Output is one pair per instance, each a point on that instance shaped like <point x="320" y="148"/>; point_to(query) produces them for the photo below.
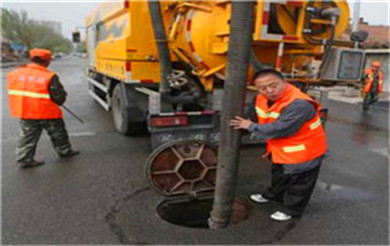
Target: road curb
<point x="11" y="64"/>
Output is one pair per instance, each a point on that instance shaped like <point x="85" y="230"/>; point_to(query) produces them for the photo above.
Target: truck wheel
<point x="119" y="112"/>
<point x="121" y="117"/>
<point x="127" y="122"/>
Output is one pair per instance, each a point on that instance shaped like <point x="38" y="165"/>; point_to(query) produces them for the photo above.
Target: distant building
<point x="55" y="25"/>
<point x="378" y="36"/>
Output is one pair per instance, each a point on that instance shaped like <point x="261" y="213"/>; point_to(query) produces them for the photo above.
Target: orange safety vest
<point x="370" y="79"/>
<point x="308" y="143"/>
<point x="28" y="93"/>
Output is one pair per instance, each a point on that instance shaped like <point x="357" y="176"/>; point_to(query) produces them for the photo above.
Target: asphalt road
<point x="102" y="196"/>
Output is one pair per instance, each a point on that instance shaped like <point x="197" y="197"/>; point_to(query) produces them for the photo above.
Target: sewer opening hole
<point x="195" y="213"/>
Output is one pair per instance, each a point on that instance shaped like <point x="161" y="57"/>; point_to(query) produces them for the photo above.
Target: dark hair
<point x="38" y="60"/>
<point x="266" y="71"/>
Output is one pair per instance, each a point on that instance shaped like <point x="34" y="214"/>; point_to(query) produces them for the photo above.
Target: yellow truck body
<point x="198" y="33"/>
<point x="124" y="62"/>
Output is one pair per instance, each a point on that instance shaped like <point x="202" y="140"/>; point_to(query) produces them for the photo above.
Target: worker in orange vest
<point x="289" y="121"/>
<point x="373" y="86"/>
<point x="35" y="94"/>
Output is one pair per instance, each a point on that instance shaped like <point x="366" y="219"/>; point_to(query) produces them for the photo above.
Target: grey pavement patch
<point x="12" y="64"/>
<point x="81" y="134"/>
<point x="349" y="95"/>
<point x="9" y="139"/>
<point x="346" y="193"/>
<point x="352" y="100"/>
<point x="280" y="234"/>
<point x="336" y="95"/>
<point x="327" y="186"/>
<point x="365" y="126"/>
<point x="380" y="151"/>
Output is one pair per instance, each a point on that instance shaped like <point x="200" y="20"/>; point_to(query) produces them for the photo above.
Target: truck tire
<point x="121" y="117"/>
<point x="119" y="112"/>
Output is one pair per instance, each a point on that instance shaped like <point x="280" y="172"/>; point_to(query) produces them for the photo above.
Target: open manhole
<point x="184" y="172"/>
<point x="195" y="213"/>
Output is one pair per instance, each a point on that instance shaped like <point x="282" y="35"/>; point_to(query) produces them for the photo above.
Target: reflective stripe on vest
<point x="265" y="115"/>
<point x="315" y="124"/>
<point x="28" y="94"/>
<point x="308" y="142"/>
<point x="289" y="149"/>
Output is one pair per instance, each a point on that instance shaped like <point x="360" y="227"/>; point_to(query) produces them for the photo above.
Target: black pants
<point x="30" y="132"/>
<point x="370" y="98"/>
<point x="291" y="191"/>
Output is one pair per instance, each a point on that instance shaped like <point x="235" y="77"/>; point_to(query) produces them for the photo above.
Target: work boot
<point x="28" y="164"/>
<point x="70" y="153"/>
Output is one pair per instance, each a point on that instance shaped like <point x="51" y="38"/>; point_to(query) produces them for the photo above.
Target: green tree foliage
<point x="19" y="29"/>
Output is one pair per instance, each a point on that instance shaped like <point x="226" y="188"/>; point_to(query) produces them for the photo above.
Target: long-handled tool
<point x="71" y="113"/>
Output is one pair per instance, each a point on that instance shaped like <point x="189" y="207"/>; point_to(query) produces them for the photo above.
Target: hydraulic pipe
<point x="162" y="44"/>
<point x="240" y="41"/>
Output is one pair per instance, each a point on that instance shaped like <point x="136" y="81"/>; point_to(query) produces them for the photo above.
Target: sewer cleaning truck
<point x="164" y="70"/>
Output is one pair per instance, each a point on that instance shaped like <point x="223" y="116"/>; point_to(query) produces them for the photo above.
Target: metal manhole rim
<point x="159" y="149"/>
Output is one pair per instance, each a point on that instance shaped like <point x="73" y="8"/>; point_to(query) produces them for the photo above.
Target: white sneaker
<point x="280" y="216"/>
<point x="258" y="198"/>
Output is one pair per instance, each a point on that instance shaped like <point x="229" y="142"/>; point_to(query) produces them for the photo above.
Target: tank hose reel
<point x="183" y="89"/>
<point x="177" y="79"/>
<point x="330" y="11"/>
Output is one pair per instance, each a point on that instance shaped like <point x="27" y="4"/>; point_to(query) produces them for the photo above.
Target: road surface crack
<point x="279" y="235"/>
<point x="115" y="228"/>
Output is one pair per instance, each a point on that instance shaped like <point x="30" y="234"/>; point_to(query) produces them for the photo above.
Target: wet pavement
<point x="103" y="197"/>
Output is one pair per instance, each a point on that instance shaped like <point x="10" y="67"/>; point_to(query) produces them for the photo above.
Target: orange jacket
<point x="370" y="79"/>
<point x="28" y="93"/>
<point x="308" y="143"/>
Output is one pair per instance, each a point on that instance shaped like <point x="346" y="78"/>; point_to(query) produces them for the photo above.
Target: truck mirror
<point x="76" y="37"/>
